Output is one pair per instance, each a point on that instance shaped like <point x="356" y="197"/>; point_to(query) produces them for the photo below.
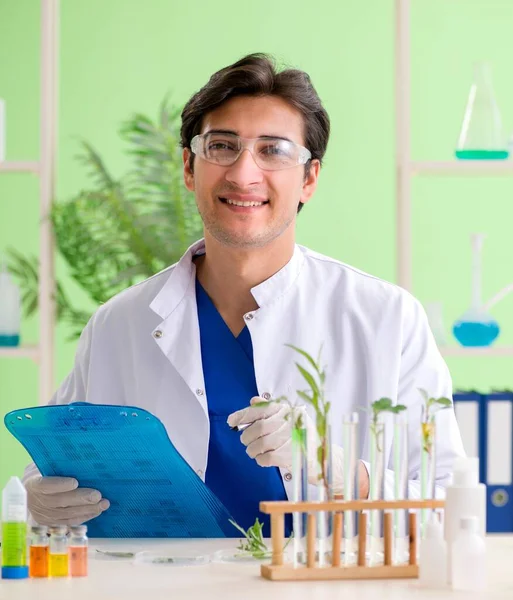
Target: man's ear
<point x="310" y="182"/>
<point x="188" y="173"/>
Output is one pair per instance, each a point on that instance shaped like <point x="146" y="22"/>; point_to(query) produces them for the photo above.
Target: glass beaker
<point x="476" y="327"/>
<point x="482" y="136"/>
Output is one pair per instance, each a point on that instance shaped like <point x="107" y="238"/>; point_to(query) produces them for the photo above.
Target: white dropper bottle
<point x="10" y="309"/>
<point x="14" y="530"/>
<point x="433" y="556"/>
<point x="468" y="557"/>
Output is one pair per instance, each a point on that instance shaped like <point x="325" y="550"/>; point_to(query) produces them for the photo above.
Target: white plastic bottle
<point x="433" y="556"/>
<point x="466" y="497"/>
<point x="468" y="557"/>
<point x="14" y="530"/>
<point x="10" y="309"/>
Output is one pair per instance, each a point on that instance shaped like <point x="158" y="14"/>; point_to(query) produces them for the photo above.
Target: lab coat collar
<point x="178" y="282"/>
<point x="184" y="272"/>
<point x="273" y="288"/>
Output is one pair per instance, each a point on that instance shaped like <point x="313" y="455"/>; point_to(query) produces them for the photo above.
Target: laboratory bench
<point x="121" y="579"/>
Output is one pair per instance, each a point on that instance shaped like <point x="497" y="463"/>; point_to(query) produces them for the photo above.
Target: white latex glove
<point x="59" y="501"/>
<point x="268" y="439"/>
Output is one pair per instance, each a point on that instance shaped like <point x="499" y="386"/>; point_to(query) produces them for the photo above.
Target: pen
<point x="240" y="427"/>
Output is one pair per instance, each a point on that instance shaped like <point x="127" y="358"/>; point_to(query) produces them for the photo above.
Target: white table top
<point x="121" y="579"/>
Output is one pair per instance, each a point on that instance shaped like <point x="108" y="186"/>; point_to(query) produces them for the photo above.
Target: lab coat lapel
<point x="178" y="334"/>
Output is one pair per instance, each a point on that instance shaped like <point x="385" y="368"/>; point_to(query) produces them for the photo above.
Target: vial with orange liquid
<point x="38" y="565"/>
<point x="78" y="551"/>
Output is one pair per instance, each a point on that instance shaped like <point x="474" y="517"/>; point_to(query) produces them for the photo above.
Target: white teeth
<point x="238" y="203"/>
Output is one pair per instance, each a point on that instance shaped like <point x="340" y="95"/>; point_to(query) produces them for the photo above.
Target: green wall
<point x="122" y="56"/>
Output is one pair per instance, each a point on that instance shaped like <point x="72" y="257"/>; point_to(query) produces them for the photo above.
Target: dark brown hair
<point x="257" y="75"/>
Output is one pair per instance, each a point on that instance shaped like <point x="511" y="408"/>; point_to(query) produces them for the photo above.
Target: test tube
<point x="58" y="559"/>
<point x="325" y="493"/>
<point x="377" y="486"/>
<point x="400" y="517"/>
<point x="78" y="545"/>
<point x="350" y="445"/>
<point x="427" y="464"/>
<point x="299" y="487"/>
<point x="38" y="565"/>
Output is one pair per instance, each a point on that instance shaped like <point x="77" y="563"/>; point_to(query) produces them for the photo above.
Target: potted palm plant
<point x="119" y="231"/>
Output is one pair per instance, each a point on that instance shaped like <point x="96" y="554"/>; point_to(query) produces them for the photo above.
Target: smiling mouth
<point x="241" y="203"/>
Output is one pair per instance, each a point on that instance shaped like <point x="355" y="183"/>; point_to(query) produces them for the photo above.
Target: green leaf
<point x="381" y="405"/>
<point x="309" y="379"/>
<point x="445" y="402"/>
<point x="308" y="399"/>
<point x="306" y="355"/>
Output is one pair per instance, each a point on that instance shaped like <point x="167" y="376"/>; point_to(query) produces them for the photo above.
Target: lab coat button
<point x="288" y="476"/>
<point x="266" y="396"/>
<point x="199" y="392"/>
<point x="157" y="334"/>
<point x="248" y="317"/>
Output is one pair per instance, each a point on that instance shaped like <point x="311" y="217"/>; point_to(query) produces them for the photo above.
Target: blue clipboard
<point x="126" y="454"/>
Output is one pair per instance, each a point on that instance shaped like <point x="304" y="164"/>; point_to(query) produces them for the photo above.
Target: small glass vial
<point x="58" y="557"/>
<point x="38" y="566"/>
<point x="78" y="543"/>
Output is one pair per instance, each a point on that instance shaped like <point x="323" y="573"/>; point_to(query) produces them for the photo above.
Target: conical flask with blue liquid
<point x="476" y="327"/>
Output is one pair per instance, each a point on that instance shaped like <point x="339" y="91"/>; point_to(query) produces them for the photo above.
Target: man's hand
<point x="269" y="440"/>
<point x="59" y="501"/>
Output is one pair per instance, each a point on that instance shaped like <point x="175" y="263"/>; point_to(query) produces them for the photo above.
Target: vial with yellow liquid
<point x="58" y="559"/>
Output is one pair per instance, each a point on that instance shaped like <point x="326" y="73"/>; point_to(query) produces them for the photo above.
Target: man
<point x="200" y="341"/>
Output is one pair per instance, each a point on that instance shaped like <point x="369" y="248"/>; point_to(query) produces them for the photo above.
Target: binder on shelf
<point x="498" y="460"/>
<point x="470" y="411"/>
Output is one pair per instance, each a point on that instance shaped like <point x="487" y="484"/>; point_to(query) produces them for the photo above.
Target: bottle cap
<point x="78" y="529"/>
<point x="15" y="572"/>
<point x="433" y="529"/>
<point x="59" y="529"/>
<point x="469" y="524"/>
<point x="466" y="471"/>
<point x="40" y="529"/>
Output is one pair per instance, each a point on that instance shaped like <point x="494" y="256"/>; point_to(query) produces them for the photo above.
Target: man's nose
<point x="244" y="171"/>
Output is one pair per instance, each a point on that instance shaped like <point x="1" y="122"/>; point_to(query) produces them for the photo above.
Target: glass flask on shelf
<point x="476" y="327"/>
<point x="434" y="312"/>
<point x="482" y="136"/>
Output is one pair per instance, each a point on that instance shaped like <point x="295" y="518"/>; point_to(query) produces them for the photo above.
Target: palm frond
<point x="120" y="230"/>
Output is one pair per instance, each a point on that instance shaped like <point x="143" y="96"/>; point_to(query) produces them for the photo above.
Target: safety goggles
<point x="269" y="153"/>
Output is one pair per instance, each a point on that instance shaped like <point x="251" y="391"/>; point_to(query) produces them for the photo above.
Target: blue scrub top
<point x="228" y="369"/>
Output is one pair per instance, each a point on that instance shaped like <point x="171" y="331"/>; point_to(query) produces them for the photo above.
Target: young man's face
<point x="281" y="190"/>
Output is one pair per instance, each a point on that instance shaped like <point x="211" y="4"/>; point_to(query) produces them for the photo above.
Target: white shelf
<point x="45" y="169"/>
<point x="478" y="168"/>
<point x="31" y="352"/>
<point x="487" y="351"/>
<point x="19" y="167"/>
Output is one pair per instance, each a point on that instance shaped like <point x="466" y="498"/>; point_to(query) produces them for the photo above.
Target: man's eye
<point x="272" y="149"/>
<point x="219" y="146"/>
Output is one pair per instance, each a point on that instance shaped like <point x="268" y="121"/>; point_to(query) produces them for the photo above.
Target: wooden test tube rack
<point x="280" y="571"/>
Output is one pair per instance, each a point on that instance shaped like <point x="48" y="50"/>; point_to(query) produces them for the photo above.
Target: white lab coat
<point x="142" y="348"/>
